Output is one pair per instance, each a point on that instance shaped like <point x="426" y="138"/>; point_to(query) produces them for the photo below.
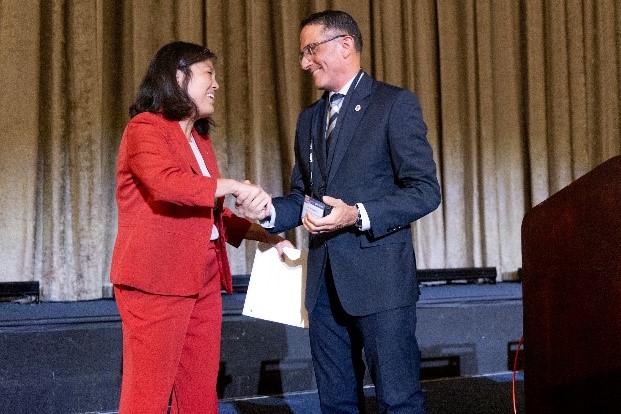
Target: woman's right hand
<point x="250" y="199"/>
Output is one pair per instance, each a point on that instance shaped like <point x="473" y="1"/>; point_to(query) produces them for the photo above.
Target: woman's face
<point x="202" y="87"/>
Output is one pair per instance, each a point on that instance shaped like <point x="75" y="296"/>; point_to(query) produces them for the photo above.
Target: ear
<point x="180" y="77"/>
<point x="348" y="46"/>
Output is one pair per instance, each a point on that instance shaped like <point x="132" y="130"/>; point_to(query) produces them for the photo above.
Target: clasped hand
<point x="252" y="201"/>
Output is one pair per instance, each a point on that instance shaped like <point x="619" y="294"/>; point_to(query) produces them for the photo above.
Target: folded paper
<point x="276" y="289"/>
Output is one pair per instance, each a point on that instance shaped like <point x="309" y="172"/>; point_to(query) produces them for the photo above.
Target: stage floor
<point x="65" y="357"/>
<point x="490" y="394"/>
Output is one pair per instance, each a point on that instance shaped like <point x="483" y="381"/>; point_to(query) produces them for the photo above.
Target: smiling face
<point x="332" y="63"/>
<point x="202" y="87"/>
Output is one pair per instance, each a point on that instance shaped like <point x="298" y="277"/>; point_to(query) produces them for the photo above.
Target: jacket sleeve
<point x="289" y="207"/>
<point x="155" y="158"/>
<point x="417" y="190"/>
<point x="235" y="227"/>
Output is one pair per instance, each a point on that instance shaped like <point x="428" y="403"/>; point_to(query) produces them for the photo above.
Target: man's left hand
<point x="341" y="216"/>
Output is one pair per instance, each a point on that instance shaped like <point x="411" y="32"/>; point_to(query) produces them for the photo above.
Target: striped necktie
<point x="335" y="102"/>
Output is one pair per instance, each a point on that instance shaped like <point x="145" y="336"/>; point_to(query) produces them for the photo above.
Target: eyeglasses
<point x="309" y="50"/>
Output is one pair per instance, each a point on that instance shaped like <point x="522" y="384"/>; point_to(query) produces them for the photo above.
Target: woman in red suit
<point x="169" y="262"/>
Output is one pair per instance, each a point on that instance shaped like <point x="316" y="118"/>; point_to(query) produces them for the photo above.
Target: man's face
<point x="324" y="62"/>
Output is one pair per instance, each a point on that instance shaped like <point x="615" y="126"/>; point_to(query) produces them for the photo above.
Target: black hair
<point x="160" y="91"/>
<point x="336" y="20"/>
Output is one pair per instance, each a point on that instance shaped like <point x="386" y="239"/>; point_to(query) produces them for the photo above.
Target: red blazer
<point x="166" y="211"/>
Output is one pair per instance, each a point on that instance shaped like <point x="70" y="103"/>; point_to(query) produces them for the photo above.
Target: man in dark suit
<point x="378" y="175"/>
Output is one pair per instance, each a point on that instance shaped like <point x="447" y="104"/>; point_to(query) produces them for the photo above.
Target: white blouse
<point x="201" y="163"/>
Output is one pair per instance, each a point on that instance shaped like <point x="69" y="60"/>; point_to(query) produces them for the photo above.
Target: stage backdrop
<point x="520" y="97"/>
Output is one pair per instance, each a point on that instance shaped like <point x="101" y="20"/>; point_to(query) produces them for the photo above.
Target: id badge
<point x="315" y="207"/>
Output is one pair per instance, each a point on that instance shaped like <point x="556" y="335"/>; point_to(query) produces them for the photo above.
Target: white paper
<point x="276" y="289"/>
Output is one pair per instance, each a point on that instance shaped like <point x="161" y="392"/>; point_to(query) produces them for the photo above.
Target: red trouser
<point x="170" y="343"/>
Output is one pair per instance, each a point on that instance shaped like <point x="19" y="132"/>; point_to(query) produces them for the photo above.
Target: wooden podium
<point x="571" y="263"/>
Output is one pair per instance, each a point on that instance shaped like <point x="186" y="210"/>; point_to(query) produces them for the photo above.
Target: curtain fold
<point x="520" y="98"/>
<point x="19" y="131"/>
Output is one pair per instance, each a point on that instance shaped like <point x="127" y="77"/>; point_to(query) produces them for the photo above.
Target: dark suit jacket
<point x="167" y="209"/>
<point x="381" y="158"/>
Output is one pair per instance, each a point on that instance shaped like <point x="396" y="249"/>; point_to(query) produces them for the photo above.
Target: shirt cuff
<point x="366" y="223"/>
<point x="269" y="221"/>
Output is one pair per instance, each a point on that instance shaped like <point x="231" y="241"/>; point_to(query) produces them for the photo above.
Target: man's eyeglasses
<point x="309" y="50"/>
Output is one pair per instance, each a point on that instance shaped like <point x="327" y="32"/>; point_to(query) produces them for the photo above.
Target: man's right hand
<point x="252" y="201"/>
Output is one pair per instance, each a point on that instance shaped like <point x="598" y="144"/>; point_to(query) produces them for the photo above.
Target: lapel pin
<point x="357" y="108"/>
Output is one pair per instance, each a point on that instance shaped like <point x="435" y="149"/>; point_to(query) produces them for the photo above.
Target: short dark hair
<point x="160" y="92"/>
<point x="336" y="20"/>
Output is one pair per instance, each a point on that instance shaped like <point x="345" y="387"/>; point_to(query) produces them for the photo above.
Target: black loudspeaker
<point x="19" y="291"/>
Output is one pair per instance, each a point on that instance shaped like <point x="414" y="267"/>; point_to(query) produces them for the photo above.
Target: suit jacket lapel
<point x="318" y="130"/>
<point x="354" y="106"/>
<point x="183" y="146"/>
<point x="205" y="148"/>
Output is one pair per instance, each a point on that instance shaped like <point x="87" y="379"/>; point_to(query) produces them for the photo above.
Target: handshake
<point x="251" y="200"/>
